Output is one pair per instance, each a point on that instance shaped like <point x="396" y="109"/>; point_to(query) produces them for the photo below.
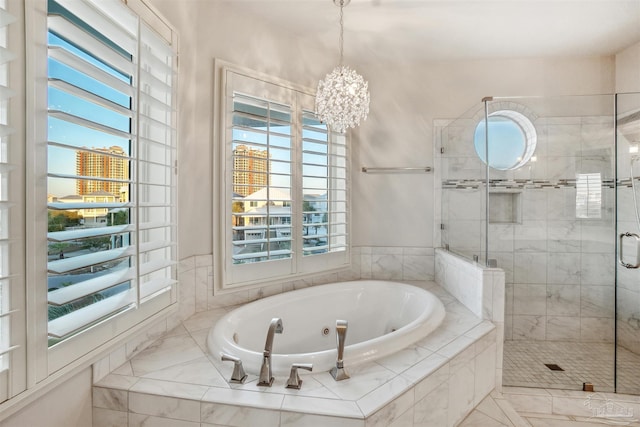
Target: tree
<point x="59" y="221"/>
<point x="118" y="218"/>
<point x="307" y="207"/>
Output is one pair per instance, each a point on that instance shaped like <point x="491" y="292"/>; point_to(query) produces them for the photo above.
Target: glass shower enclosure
<point x="544" y="188"/>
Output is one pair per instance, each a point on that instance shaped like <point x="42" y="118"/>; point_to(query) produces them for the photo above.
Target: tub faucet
<point x="338" y="372"/>
<point x="238" y="376"/>
<point x="294" y="380"/>
<point x="275" y="327"/>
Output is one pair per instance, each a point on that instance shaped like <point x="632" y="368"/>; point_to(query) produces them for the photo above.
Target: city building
<point x="113" y="164"/>
<point x="250" y="170"/>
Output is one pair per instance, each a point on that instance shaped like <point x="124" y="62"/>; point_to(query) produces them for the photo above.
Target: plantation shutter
<point x="261" y="201"/>
<point x="12" y="314"/>
<point x="111" y="153"/>
<point x="324" y="187"/>
<point x="285" y="182"/>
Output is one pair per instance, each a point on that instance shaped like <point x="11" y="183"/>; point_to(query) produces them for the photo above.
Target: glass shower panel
<point x="551" y="228"/>
<point x="628" y="275"/>
<point x="463" y="191"/>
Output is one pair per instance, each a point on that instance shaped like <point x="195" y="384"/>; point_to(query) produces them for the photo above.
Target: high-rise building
<point x="250" y="170"/>
<point x="113" y="164"/>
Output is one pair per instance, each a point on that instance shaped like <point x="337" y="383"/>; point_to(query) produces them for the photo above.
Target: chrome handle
<point x="238" y="376"/>
<point x="341" y="336"/>
<point x="621" y="250"/>
<point x="294" y="379"/>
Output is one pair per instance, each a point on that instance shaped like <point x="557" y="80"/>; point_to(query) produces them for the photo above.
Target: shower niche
<point x="505" y="207"/>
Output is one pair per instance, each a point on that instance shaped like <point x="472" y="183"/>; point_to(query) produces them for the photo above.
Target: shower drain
<point x="553" y="367"/>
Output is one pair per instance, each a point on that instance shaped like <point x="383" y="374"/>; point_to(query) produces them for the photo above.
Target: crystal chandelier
<point x="342" y="99"/>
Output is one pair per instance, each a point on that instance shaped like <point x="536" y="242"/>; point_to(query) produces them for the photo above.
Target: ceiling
<point x="436" y="30"/>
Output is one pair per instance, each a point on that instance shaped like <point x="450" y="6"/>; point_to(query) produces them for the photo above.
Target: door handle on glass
<point x="621" y="250"/>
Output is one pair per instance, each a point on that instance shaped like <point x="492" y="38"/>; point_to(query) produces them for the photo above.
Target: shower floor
<point x="524" y="366"/>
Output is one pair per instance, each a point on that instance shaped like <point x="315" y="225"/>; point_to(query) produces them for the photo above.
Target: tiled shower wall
<point x="559" y="267"/>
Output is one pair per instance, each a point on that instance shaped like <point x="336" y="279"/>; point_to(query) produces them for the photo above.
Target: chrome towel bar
<point x="425" y="169"/>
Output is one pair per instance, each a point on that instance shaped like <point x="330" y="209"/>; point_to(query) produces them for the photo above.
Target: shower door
<point x="628" y="246"/>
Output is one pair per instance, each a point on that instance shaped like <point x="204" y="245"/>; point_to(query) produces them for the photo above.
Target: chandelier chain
<point x="341" y="32"/>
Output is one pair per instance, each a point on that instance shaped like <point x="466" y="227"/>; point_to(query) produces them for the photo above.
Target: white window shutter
<point x="111" y="160"/>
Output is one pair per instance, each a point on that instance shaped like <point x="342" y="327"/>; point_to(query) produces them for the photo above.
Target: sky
<point x="506" y="142"/>
<point x="61" y="160"/>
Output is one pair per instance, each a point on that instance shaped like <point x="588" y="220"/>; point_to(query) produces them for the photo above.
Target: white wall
<point x="397" y="210"/>
<point x="68" y="405"/>
<point x="389" y="210"/>
<point x="211" y="30"/>
<point x="628" y="69"/>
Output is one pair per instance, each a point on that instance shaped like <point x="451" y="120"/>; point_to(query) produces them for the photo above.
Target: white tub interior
<point x="383" y="317"/>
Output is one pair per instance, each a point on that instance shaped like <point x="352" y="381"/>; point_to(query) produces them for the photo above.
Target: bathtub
<point x="383" y="317"/>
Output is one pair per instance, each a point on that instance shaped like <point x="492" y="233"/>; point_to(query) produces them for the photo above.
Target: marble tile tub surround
<point x="480" y="289"/>
<point x="196" y="290"/>
<point x="436" y="382"/>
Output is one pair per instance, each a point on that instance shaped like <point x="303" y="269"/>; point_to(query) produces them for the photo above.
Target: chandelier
<point x="342" y="99"/>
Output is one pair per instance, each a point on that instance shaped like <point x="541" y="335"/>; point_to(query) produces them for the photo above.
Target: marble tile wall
<point x="395" y="263"/>
<point x="559" y="268"/>
<point x="480" y="289"/>
<point x="560" y="273"/>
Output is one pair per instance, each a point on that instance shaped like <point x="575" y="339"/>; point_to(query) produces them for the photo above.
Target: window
<point x="512" y="140"/>
<point x="286" y="210"/>
<point x="110" y="237"/>
<point x="589" y="195"/>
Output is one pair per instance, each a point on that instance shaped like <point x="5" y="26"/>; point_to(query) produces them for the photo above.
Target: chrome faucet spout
<point x="275" y="327"/>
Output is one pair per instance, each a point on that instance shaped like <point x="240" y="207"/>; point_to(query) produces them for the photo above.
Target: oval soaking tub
<point x="383" y="317"/>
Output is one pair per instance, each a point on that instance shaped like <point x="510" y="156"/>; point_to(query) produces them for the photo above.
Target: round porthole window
<point x="512" y="140"/>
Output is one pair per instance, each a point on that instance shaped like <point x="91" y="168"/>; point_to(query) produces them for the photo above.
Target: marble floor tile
<point x="524" y="365"/>
<point x="477" y="419"/>
<point x="547" y="422"/>
<point x="490" y="408"/>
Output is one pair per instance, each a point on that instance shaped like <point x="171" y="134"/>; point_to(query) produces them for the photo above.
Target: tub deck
<point x="435" y="382"/>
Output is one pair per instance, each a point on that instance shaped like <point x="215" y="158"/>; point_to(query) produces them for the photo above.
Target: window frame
<point x="13" y="373"/>
<point x="82" y="348"/>
<point x="230" y="277"/>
